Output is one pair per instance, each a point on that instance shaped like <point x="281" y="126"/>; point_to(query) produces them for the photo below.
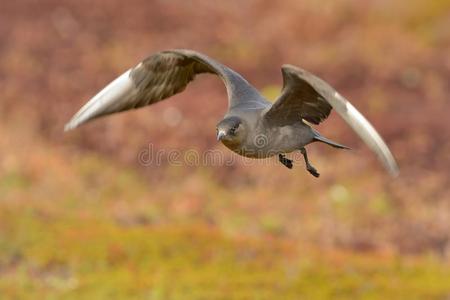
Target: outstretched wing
<point x="158" y="77"/>
<point x="303" y="97"/>
<point x="308" y="97"/>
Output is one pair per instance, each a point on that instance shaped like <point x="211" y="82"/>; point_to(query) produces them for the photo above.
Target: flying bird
<point x="252" y="126"/>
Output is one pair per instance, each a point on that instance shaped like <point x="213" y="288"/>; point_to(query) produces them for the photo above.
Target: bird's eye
<point x="233" y="129"/>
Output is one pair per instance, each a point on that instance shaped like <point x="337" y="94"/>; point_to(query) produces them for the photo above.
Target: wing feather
<point x="306" y="96"/>
<point x="156" y="78"/>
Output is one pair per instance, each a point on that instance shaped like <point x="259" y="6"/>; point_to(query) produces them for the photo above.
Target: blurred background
<point x="82" y="217"/>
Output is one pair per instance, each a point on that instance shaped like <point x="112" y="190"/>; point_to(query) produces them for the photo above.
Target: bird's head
<point x="230" y="130"/>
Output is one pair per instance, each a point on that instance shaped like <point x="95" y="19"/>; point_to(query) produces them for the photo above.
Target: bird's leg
<point x="309" y="167"/>
<point x="285" y="161"/>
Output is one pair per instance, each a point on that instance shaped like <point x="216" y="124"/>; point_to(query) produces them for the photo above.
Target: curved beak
<point x="221" y="134"/>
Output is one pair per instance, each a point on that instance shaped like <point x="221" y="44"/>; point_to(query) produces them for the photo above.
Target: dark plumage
<point x="252" y="126"/>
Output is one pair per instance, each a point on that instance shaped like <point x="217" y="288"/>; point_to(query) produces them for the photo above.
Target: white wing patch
<point x="105" y="101"/>
<point x="367" y="133"/>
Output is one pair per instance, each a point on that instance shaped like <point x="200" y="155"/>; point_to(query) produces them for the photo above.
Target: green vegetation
<point x="79" y="257"/>
<point x="81" y="242"/>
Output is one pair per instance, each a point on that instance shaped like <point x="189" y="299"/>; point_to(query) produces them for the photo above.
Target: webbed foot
<point x="285" y="161"/>
<point x="309" y="167"/>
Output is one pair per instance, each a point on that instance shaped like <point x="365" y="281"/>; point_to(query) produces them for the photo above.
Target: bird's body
<point x="263" y="140"/>
<point x="252" y="126"/>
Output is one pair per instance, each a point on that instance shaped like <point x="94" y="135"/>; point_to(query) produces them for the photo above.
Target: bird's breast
<point x="254" y="146"/>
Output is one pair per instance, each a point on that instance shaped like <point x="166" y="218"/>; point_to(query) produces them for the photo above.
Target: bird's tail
<point x="320" y="138"/>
